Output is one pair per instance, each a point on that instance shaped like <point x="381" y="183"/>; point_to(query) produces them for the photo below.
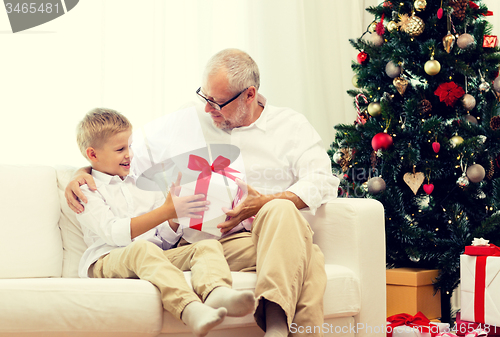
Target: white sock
<point x="276" y="324"/>
<point x="201" y="318"/>
<point x="237" y="302"/>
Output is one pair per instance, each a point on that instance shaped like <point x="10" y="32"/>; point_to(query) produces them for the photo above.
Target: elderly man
<point x="287" y="169"/>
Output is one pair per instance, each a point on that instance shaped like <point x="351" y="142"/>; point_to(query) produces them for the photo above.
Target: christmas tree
<point x="426" y="141"/>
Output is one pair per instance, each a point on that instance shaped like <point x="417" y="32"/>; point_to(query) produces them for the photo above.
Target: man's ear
<point x="251" y="94"/>
<point x="91" y="154"/>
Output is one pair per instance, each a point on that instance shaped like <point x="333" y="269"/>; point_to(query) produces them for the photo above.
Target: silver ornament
<point x="484" y="86"/>
<point x="476" y="173"/>
<point x="376" y="185"/>
<point x="496" y="84"/>
<point x="469" y="102"/>
<point x="337" y="156"/>
<point x="482" y="138"/>
<point x="392" y="70"/>
<point x="463" y="181"/>
<point x="464" y="41"/>
<point x="375" y="39"/>
<point x="471" y="119"/>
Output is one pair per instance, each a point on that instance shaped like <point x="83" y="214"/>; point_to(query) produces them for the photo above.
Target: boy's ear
<point x="91" y="154"/>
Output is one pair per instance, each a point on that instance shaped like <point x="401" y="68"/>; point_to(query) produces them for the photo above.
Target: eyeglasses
<point x="214" y="105"/>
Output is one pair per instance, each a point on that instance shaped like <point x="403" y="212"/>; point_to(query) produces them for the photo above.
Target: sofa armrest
<point x="351" y="233"/>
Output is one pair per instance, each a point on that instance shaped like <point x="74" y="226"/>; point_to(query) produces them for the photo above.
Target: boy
<point x="125" y="229"/>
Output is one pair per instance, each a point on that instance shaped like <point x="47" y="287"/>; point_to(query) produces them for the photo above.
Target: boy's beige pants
<point x="290" y="268"/>
<point x="163" y="268"/>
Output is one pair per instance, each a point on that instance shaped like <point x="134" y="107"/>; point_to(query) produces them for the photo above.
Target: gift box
<point x="200" y="174"/>
<point x="411" y="290"/>
<point x="480" y="285"/>
<point x="490" y="41"/>
<point x="463" y="327"/>
<point x="405" y="325"/>
<point x="216" y="180"/>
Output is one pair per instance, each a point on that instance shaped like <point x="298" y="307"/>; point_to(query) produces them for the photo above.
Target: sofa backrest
<point x="30" y="240"/>
<point x="71" y="232"/>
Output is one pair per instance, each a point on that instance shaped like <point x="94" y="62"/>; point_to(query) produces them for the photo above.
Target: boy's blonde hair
<point x="97" y="126"/>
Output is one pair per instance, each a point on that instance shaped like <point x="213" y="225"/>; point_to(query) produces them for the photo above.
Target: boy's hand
<point x="73" y="191"/>
<point x="186" y="207"/>
<point x="251" y="202"/>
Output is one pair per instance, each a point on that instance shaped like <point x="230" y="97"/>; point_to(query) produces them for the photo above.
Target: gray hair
<point x="242" y="71"/>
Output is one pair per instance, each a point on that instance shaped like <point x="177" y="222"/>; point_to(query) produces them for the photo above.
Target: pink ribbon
<point x="220" y="166"/>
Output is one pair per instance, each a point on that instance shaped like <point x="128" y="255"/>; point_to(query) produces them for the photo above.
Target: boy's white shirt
<point x="106" y="219"/>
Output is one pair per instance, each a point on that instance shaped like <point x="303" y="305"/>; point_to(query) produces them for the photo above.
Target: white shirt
<point x="281" y="151"/>
<point x="106" y="219"/>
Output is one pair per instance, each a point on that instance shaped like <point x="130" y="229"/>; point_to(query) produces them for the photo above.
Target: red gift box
<point x="490" y="41"/>
<point x="463" y="327"/>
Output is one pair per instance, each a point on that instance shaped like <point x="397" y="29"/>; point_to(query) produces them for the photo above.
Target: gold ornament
<point x="448" y="42"/>
<point x="355" y="79"/>
<point x="456" y="140"/>
<point x="345" y="159"/>
<point x="372" y="26"/>
<point x="374" y="109"/>
<point x="392" y="25"/>
<point x="432" y="67"/>
<point x="420" y="5"/>
<point x="400" y="84"/>
<point x="413" y="26"/>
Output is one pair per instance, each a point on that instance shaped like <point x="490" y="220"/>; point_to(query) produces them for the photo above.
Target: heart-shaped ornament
<point x="428" y="188"/>
<point x="436" y="147"/>
<point x="400" y="84"/>
<point x="414" y="180"/>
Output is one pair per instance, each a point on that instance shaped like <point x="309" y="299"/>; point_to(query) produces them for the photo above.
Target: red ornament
<point x="363" y="57"/>
<point x="449" y="93"/>
<point x="440" y="13"/>
<point x="428" y="188"/>
<point x="436" y="146"/>
<point x="382" y="141"/>
<point x="490" y="41"/>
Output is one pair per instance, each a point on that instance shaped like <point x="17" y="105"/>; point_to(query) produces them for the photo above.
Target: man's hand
<point x="73" y="191"/>
<point x="251" y="202"/>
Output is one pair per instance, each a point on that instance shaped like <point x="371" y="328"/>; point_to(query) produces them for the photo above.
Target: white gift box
<point x="491" y="300"/>
<point x="222" y="188"/>
<point x="220" y="196"/>
<point x="408" y="331"/>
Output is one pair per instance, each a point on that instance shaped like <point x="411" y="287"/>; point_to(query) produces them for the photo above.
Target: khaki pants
<point x="145" y="260"/>
<point x="290" y="268"/>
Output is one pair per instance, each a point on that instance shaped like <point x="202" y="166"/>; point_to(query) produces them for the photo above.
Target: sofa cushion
<point x="30" y="240"/>
<point x="342" y="298"/>
<point x="71" y="232"/>
<point x="84" y="307"/>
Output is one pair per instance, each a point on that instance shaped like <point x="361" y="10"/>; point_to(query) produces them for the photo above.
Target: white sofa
<point x="41" y="294"/>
